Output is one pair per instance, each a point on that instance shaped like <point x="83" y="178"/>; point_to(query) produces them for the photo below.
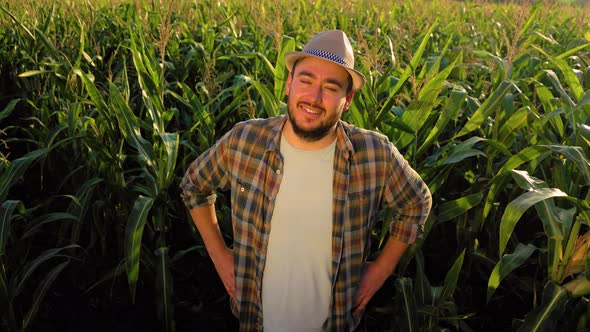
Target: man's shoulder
<point x="258" y="124"/>
<point x="369" y="146"/>
<point x="358" y="135"/>
<point x="260" y="131"/>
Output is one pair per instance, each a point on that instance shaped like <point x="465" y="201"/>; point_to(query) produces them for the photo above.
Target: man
<point x="306" y="190"/>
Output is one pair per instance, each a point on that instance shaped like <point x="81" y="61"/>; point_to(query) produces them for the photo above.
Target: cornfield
<point x="103" y="104"/>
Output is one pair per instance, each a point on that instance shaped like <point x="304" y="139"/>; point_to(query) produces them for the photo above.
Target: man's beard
<point x="314" y="134"/>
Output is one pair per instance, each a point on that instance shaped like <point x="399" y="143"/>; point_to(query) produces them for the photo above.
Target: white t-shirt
<point x="296" y="284"/>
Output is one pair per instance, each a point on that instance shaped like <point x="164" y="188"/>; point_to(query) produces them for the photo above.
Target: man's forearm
<point x="205" y="219"/>
<point x="391" y="254"/>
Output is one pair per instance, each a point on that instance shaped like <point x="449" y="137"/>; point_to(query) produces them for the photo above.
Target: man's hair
<point x="348" y="89"/>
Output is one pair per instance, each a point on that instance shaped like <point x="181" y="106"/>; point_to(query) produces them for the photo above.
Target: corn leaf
<point x="81" y="203"/>
<point x="516" y="209"/>
<point x="171" y="143"/>
<point x="501" y="64"/>
<point x="422" y="286"/>
<point x="9" y="108"/>
<point x="233" y="95"/>
<point x="562" y="91"/>
<point x="251" y="55"/>
<point x="451" y="279"/>
<point x="150" y="82"/>
<point x="202" y="118"/>
<point x="164" y="289"/>
<point x="546" y="209"/>
<point x="112" y="274"/>
<point x="6" y="300"/>
<point x="516" y="121"/>
<point x="31" y="73"/>
<point x="22" y="26"/>
<point x="133" y="236"/>
<point x="270" y="103"/>
<point x="576" y="155"/>
<point x="46" y="219"/>
<point x="462" y="151"/>
<point x="287" y="45"/>
<point x="568" y="75"/>
<point x="129" y="125"/>
<point x="97" y="99"/>
<point x="6" y="215"/>
<point x="17" y="169"/>
<point x="489" y="106"/>
<point x="455" y="208"/>
<point x="31" y="266"/>
<point x="417" y="58"/>
<point x="409" y="320"/>
<point x="497" y="183"/>
<point x="450" y="112"/>
<point x="507" y="264"/>
<point x="421" y="108"/>
<point x="40" y="293"/>
<point x="544" y="317"/>
<point x="585" y="101"/>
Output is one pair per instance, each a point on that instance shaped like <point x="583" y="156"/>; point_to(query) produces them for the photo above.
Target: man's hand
<point x="375" y="273"/>
<point x="224" y="264"/>
<point x="372" y="279"/>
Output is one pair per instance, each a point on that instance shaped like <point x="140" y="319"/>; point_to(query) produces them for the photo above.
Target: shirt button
<point x="278" y="171"/>
<point x="242" y="189"/>
<point x="270" y="198"/>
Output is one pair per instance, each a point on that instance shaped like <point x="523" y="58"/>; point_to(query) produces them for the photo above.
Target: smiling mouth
<point x="311" y="110"/>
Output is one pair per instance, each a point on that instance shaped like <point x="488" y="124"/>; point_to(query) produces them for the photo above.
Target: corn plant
<point x="103" y="104"/>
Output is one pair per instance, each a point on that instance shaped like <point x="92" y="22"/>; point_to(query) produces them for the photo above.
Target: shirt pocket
<point x="362" y="206"/>
<point x="246" y="206"/>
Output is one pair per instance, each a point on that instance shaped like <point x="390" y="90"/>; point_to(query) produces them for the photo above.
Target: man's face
<point x="317" y="94"/>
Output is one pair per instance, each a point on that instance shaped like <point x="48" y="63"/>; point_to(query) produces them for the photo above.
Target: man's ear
<point x="288" y="84"/>
<point x="348" y="100"/>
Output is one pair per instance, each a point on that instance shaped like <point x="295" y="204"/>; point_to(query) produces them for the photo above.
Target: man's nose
<point x="316" y="93"/>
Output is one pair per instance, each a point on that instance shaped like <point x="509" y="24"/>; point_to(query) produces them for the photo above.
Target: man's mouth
<point x="311" y="110"/>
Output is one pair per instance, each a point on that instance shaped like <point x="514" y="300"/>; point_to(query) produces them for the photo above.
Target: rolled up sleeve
<point x="410" y="199"/>
<point x="205" y="175"/>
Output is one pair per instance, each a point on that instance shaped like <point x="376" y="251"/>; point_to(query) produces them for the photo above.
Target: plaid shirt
<point x="369" y="175"/>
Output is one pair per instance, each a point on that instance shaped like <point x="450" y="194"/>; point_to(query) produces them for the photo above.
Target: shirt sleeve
<point x="409" y="198"/>
<point x="206" y="174"/>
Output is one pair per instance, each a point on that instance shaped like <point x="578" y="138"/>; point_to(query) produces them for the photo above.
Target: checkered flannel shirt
<point x="369" y="175"/>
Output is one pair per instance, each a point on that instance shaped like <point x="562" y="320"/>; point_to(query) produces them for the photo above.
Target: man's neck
<point x="304" y="144"/>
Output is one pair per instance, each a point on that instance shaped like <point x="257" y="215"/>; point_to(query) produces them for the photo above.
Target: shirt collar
<point x="273" y="143"/>
<point x="343" y="142"/>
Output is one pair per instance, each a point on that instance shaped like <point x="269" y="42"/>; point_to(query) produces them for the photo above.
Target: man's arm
<point x="205" y="219"/>
<point x="375" y="273"/>
<point x="204" y="176"/>
<point x="410" y="198"/>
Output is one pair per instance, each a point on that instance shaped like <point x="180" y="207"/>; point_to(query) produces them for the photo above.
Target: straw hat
<point x="331" y="45"/>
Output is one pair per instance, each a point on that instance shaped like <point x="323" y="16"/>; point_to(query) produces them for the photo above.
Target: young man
<point x="306" y="190"/>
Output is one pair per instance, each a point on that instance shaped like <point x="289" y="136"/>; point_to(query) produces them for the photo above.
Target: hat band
<point x="329" y="56"/>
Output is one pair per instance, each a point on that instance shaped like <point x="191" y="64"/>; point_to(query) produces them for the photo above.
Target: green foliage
<point x="104" y="104"/>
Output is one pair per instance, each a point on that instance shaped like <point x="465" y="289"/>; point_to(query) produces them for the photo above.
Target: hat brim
<point x="358" y="79"/>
